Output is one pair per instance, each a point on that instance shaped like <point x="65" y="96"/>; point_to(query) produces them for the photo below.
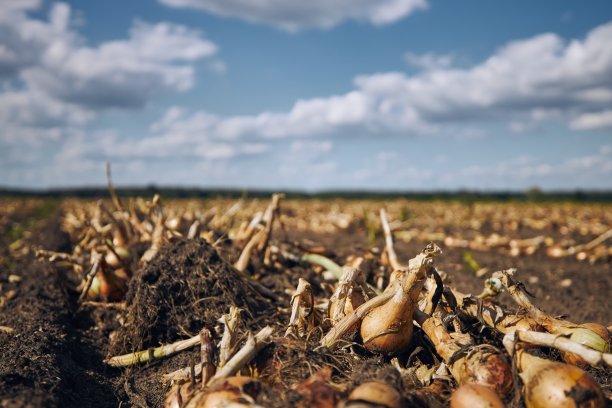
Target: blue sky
<point x="385" y="94"/>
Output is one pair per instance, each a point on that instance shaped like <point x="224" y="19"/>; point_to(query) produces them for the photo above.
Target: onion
<point x="475" y="396"/>
<point x="592" y="335"/>
<point x="485" y="365"/>
<point x="387" y="329"/>
<point x="232" y="390"/>
<point x="108" y="285"/>
<point x="375" y="393"/>
<point x="553" y="384"/>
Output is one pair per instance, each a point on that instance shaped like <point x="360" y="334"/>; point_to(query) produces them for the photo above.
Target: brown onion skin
<point x="490" y="369"/>
<point x="563" y="386"/>
<point x="375" y="393"/>
<point x="475" y="396"/>
<point x="230" y="390"/>
<point x="388" y="328"/>
<point x="388" y="317"/>
<point x="353" y="301"/>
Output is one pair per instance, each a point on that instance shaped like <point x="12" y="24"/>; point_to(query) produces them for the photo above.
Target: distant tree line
<point x="533" y="194"/>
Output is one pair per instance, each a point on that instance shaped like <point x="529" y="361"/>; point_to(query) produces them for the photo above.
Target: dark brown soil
<point x="46" y="360"/>
<point x="54" y="356"/>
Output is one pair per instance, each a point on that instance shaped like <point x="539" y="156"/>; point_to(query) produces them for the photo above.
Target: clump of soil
<point x="186" y="288"/>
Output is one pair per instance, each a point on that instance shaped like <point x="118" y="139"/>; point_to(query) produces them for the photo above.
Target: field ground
<point x="53" y="348"/>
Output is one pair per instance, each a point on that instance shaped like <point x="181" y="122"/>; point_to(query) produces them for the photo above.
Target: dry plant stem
<point x="153" y="354"/>
<point x="302" y="308"/>
<point x="552" y="325"/>
<point x="157" y="240"/>
<point x="348" y="285"/>
<point x="270" y="215"/>
<point x="228" y="340"/>
<point x="245" y="256"/>
<point x="247" y="234"/>
<point x="492" y="315"/>
<point x="593" y="357"/>
<point x="182" y="374"/>
<point x="589" y="245"/>
<point x="253" y="345"/>
<point x="434" y="287"/>
<point x="445" y="345"/>
<point x="95" y="267"/>
<point x="207" y="353"/>
<point x="194" y="230"/>
<point x="389" y="241"/>
<point x="592" y="244"/>
<point x="53" y="256"/>
<point x="225" y="219"/>
<point x="105" y="305"/>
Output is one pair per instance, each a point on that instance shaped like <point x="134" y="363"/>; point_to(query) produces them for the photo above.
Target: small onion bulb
<point x="374" y="393"/>
<point x="475" y="396"/>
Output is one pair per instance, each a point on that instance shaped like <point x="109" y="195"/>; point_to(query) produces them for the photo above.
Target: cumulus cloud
<point x="294" y="15"/>
<point x="593" y="120"/>
<point x="525" y="82"/>
<point x="51" y="77"/>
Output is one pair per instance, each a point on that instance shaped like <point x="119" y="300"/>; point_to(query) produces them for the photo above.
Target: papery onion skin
<point x="488" y="368"/>
<point x="388" y="328"/>
<point x="232" y="390"/>
<point x="353" y="301"/>
<point x="475" y="396"/>
<point x="375" y="393"/>
<point x="552" y="384"/>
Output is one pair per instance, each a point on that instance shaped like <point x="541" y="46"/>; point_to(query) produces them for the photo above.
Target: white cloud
<point x="593" y="120"/>
<point x="122" y="73"/>
<point x="429" y="60"/>
<point x="294" y="15"/>
<point x="52" y="79"/>
<point x="525" y="82"/>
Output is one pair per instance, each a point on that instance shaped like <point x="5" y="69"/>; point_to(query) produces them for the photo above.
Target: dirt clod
<point x="188" y="286"/>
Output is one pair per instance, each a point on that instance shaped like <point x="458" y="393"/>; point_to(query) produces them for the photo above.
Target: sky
<point x="317" y="95"/>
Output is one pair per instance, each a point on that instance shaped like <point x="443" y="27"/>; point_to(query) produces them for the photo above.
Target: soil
<point x="54" y="354"/>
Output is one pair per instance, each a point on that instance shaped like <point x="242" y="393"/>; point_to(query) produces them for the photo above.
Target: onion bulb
<point x="387" y="329"/>
<point x="475" y="396"/>
<point x="232" y="390"/>
<point x="374" y="393"/>
<point x="592" y="335"/>
<point x="484" y="365"/>
<point x="553" y="384"/>
<point x="108" y="285"/>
